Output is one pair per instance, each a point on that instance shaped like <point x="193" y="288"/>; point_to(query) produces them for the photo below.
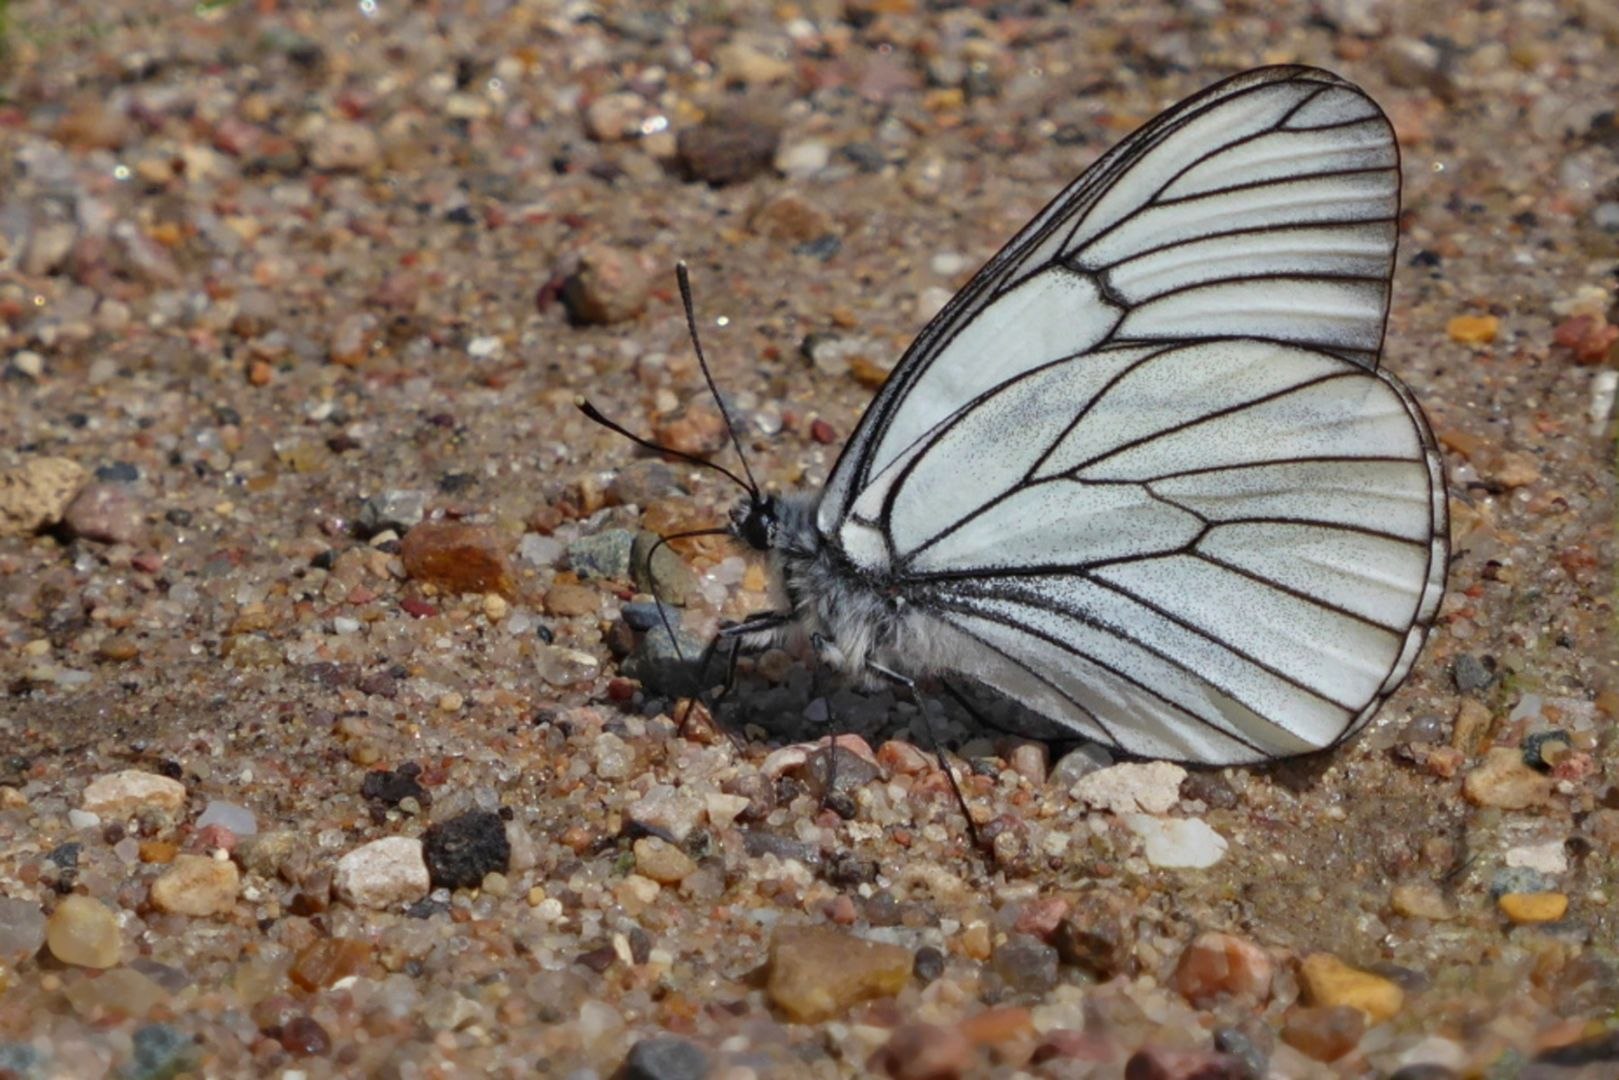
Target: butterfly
<point x="1143" y="475"/>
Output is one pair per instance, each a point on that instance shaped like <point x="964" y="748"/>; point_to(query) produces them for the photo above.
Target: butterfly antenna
<point x="684" y="279"/>
<point x="596" y="416"/>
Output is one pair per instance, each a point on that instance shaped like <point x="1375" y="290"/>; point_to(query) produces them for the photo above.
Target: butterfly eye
<point x="754" y="523"/>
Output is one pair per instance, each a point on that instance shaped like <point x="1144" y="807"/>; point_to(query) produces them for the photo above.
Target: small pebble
<point x="1329" y="981"/>
<point x="918" y="1051"/>
<point x="665" y="1057"/>
<point x="345" y="146"/>
<point x="604" y="285"/>
<point x="22" y="930"/>
<point x="1420" y="902"/>
<point x="238" y="819"/>
<point x="816" y="973"/>
<point x="604" y="555"/>
<point x="666" y="811"/>
<point x="662" y="861"/>
<point x="1219" y="965"/>
<point x="1177" y="843"/>
<point x="566" y="600"/>
<point x="382" y="874"/>
<point x="1324" y="1032"/>
<point x="457" y="558"/>
<point x="37" y="493"/>
<point x="1541" y="907"/>
<point x="1147" y="787"/>
<point x="728" y="147"/>
<point x="197" y="885"/>
<point x="1502" y="780"/>
<point x="1025" y="964"/>
<point x="105" y="513"/>
<point x="460" y="851"/>
<point x="131" y="791"/>
<point x="1473" y="329"/>
<point x="83" y="931"/>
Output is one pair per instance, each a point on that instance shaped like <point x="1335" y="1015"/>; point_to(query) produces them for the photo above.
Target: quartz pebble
<point x="1502" y="780"/>
<point x="37" y="493"/>
<point x="382" y="874"/>
<point x="816" y="973"/>
<point x="83" y="931"/>
<point x="662" y="861"/>
<point x="666" y="811"/>
<point x="197" y="885"/>
<point x="22" y="930"/>
<point x="238" y="819"/>
<point x="131" y="791"/>
<point x="1177" y="843"/>
<point x="1146" y="787"/>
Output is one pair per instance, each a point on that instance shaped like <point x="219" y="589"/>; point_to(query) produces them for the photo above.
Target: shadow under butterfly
<point x="1143" y="477"/>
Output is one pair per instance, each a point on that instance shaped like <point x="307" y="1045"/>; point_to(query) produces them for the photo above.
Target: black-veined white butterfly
<point x="1143" y="474"/>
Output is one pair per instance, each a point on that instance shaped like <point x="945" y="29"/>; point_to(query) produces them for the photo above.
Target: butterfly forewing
<point x="1145" y="469"/>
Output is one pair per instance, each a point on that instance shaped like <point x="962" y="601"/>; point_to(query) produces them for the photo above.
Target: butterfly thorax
<point x="851" y="621"/>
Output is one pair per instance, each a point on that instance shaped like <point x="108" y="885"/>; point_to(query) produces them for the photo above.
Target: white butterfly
<point x="1143" y="474"/>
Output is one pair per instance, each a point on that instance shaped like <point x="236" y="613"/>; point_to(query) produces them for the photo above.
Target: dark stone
<point x="643" y="615"/>
<point x="390" y="786"/>
<point x="1235" y="1044"/>
<point x="1093" y="937"/>
<point x="605" y="555"/>
<point x="66" y="855"/>
<point x="1425" y="1071"/>
<point x="1472" y="673"/>
<point x="1151" y="1063"/>
<point x="1026" y="964"/>
<point x="119" y="472"/>
<point x="159" y="1052"/>
<point x="758" y="844"/>
<point x="849" y="869"/>
<point x="665" y="1057"/>
<point x="1534" y="747"/>
<point x="597" y="959"/>
<point x="398" y="510"/>
<point x="456" y="482"/>
<point x="727" y="148"/>
<point x="459" y="852"/>
<point x="426" y="908"/>
<point x="846" y="770"/>
<point x="669" y="665"/>
<point x="1598" y="1050"/>
<point x="823" y="247"/>
<point x="1209" y="788"/>
<point x="929" y="964"/>
<point x="302" y="1036"/>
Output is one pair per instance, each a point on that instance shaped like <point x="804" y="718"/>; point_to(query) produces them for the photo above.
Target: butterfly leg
<point x="909" y="685"/>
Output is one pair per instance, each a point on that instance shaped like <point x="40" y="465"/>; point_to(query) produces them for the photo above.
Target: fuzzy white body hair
<point x="857" y="621"/>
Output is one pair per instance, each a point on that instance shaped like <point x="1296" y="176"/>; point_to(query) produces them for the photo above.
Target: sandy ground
<point x="281" y="284"/>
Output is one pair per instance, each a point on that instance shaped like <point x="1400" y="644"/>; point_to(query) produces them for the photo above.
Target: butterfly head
<point x="755" y="520"/>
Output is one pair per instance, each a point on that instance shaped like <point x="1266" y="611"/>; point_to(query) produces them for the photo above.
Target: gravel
<point x="341" y="736"/>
